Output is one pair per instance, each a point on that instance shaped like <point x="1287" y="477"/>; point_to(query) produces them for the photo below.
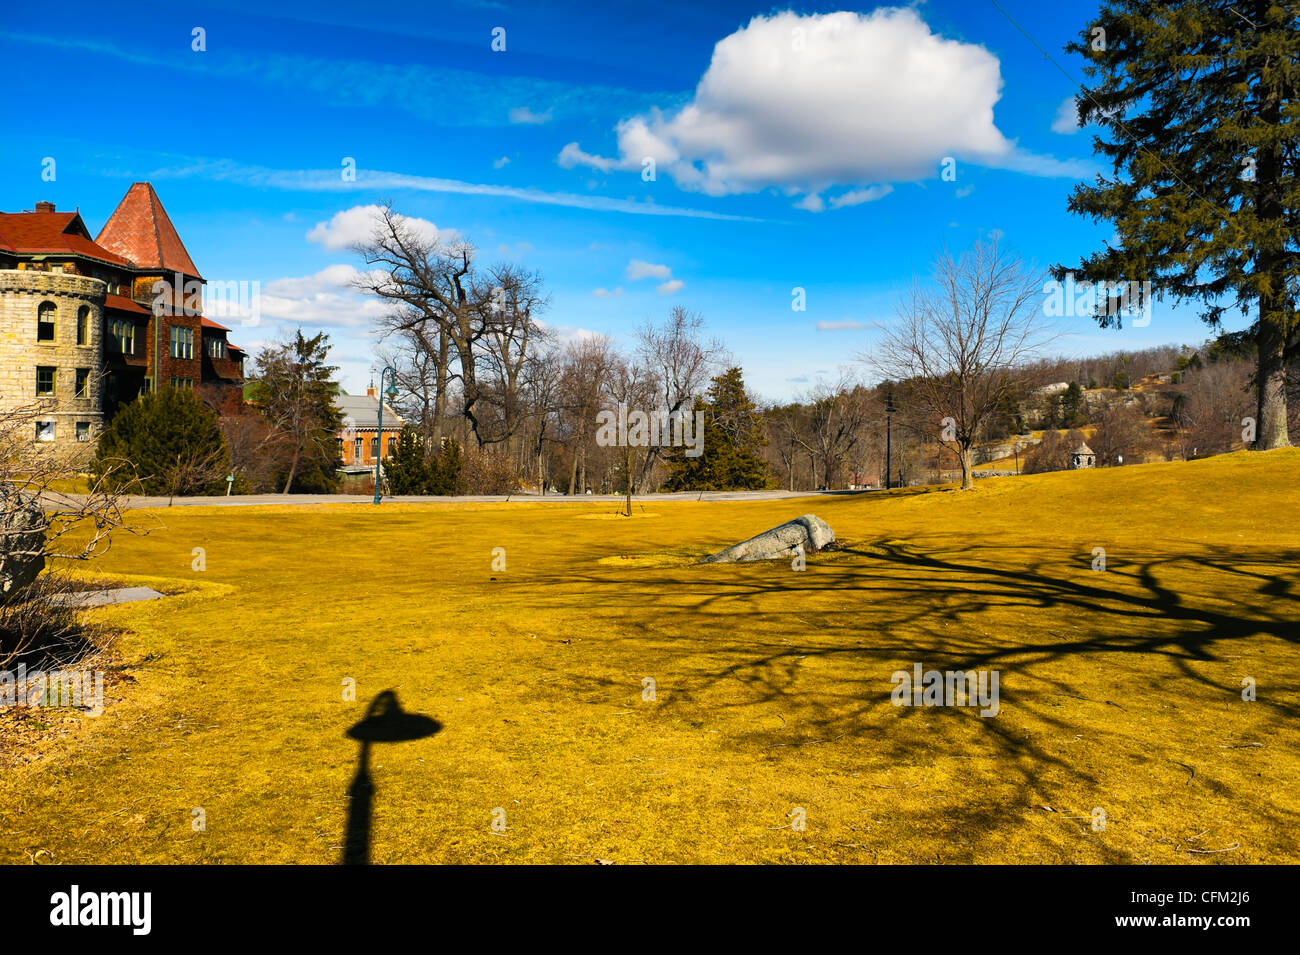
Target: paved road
<point x="263" y="500"/>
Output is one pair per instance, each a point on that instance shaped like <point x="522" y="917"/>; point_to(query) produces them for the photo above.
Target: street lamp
<point x="889" y="437"/>
<point x="379" y="433"/>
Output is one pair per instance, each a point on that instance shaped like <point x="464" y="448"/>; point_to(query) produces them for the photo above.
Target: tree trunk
<point x="440" y="391"/>
<point x="1271" y="425"/>
<point x="293" y="468"/>
<point x="627" y="477"/>
<point x="964" y="458"/>
<point x="1275" y="314"/>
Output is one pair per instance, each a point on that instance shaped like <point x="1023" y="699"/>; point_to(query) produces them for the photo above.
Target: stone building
<point x="89" y="324"/>
<point x="1082" y="457"/>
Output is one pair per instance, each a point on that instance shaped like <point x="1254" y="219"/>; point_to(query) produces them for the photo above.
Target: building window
<point x="57" y="268"/>
<point x="374" y="447"/>
<point x="182" y="342"/>
<point x="123" y="332"/>
<point x="83" y="383"/>
<point x="83" y="430"/>
<point x="83" y="325"/>
<point x="45" y="322"/>
<point x="216" y="348"/>
<point x="45" y="431"/>
<point x="45" y="381"/>
<point x="356" y="450"/>
<point x="185" y="383"/>
<point x="392" y="445"/>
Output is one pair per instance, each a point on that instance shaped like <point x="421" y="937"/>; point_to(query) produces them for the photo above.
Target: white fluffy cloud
<point x="672" y="285"/>
<point x="1067" y="118"/>
<point x="808" y="103"/>
<point x="607" y="293"/>
<point x="358" y="224"/>
<point x="637" y="269"/>
<point x="326" y="299"/>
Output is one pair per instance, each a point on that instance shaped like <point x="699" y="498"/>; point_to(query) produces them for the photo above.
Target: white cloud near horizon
<point x="804" y="104"/>
<point x="326" y="299"/>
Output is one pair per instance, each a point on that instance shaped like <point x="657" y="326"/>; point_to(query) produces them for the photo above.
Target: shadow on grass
<point x="816" y="650"/>
<point x="385" y="722"/>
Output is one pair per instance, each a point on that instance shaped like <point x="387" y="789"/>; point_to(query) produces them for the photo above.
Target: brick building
<point x="89" y="324"/>
<point x="361" y="441"/>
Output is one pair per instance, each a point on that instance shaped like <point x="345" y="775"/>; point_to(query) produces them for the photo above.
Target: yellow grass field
<point x="771" y="736"/>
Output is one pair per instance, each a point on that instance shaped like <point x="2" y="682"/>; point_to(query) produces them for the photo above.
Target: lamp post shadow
<point x="385" y="722"/>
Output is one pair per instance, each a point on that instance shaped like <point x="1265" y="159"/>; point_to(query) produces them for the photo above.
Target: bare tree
<point x="51" y="513"/>
<point x="587" y="366"/>
<point x="680" y="365"/>
<point x="837" y="416"/>
<point x="960" y="346"/>
<point x="450" y="305"/>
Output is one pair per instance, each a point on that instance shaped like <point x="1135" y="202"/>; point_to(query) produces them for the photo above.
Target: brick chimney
<point x="370" y="391"/>
<point x="44" y="207"/>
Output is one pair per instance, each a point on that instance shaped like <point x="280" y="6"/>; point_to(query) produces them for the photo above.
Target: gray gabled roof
<point x="1084" y="449"/>
<point x="362" y="411"/>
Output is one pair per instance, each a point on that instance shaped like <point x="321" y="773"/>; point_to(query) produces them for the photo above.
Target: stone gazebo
<point x="1082" y="457"/>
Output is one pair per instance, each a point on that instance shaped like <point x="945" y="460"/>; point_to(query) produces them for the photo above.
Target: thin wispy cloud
<point x="329" y="180"/>
<point x="481" y="99"/>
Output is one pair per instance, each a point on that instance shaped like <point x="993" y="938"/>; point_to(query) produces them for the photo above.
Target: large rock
<point x="809" y="531"/>
<point x="22" y="540"/>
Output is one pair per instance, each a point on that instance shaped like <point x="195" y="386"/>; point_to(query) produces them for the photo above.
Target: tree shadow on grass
<point x="817" y="649"/>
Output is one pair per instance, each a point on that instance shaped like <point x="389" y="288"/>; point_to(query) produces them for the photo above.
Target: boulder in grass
<point x="22" y="540"/>
<point x="809" y="532"/>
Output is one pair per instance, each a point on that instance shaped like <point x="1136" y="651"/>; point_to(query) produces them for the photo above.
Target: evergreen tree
<point x="170" y="442"/>
<point x="1197" y="104"/>
<point x="405" y="468"/>
<point x="445" y="471"/>
<point x="733" y="435"/>
<point x="294" y="389"/>
<point x="1072" y="406"/>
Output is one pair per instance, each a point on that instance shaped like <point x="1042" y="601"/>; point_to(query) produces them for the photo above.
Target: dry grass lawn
<point x="1120" y="689"/>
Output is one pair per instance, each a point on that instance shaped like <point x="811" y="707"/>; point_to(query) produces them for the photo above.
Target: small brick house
<point x="360" y="441"/>
<point x="87" y="325"/>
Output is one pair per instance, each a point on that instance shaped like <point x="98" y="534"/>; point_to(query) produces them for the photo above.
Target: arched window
<point x="83" y="325"/>
<point x="45" y="316"/>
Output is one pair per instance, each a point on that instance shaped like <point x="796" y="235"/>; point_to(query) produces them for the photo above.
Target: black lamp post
<point x="889" y="437"/>
<point x="379" y="434"/>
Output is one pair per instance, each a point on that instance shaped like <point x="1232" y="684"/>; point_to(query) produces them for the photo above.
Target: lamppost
<point x="379" y="433"/>
<point x="889" y="438"/>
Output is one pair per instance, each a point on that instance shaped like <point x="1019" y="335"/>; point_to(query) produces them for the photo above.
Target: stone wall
<point x="21" y="294"/>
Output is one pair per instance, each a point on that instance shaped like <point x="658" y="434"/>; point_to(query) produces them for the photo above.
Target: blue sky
<point x="802" y="149"/>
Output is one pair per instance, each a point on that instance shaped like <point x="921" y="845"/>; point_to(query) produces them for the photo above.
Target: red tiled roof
<point x="32" y="233"/>
<point x="209" y="323"/>
<point x="140" y="230"/>
<point x="124" y="304"/>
